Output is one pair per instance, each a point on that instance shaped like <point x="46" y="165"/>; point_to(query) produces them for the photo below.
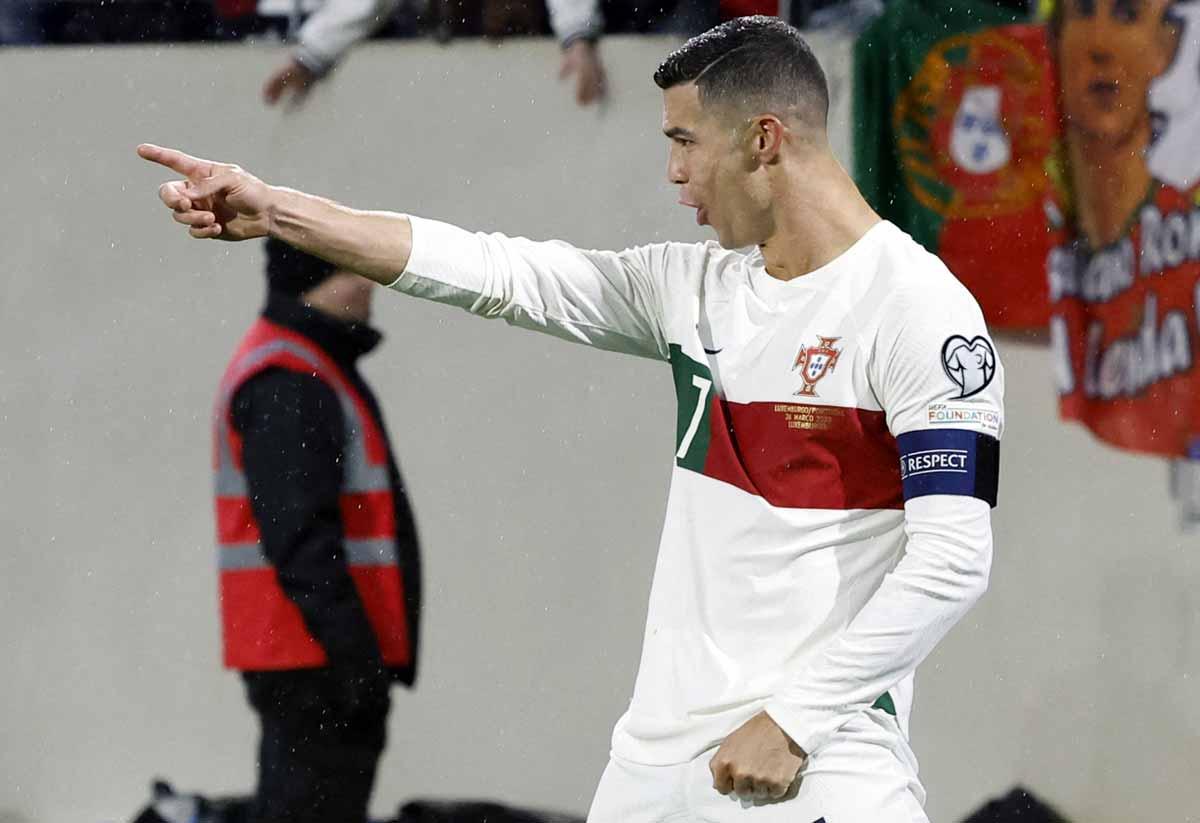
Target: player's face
<point x="711" y="171"/>
<point x="1110" y="51"/>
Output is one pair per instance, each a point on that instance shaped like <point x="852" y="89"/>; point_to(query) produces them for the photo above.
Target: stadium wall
<point x="538" y="470"/>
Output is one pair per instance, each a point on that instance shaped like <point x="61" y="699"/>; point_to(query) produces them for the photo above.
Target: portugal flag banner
<point x="956" y="142"/>
<point x="1124" y="276"/>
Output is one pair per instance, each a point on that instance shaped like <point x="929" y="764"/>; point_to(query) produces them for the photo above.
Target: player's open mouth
<point x="701" y="212"/>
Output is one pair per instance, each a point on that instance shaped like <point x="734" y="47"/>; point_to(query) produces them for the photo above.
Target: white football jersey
<point x="836" y="457"/>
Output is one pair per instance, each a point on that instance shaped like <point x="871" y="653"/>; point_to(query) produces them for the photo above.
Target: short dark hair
<point x="760" y="62"/>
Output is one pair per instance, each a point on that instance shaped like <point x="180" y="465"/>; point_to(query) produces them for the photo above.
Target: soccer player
<point x="836" y="448"/>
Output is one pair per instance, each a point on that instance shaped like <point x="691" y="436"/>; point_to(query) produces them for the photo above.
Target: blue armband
<point x="949" y="461"/>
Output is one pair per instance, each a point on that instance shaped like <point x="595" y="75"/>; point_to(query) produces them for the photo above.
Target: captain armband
<point x="949" y="461"/>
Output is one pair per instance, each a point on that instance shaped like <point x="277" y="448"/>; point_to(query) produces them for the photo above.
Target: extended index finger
<point x="185" y="164"/>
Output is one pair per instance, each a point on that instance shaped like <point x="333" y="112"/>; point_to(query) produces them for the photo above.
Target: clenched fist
<point x="757" y="762"/>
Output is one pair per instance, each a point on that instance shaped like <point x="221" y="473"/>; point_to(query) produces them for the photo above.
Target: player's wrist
<point x="281" y="212"/>
<point x="272" y="200"/>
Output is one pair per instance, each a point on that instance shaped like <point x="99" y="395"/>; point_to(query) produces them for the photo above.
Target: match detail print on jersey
<point x="949" y="461"/>
<point x="787" y="453"/>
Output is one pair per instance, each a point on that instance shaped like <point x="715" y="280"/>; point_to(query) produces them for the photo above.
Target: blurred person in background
<point x="323" y="33"/>
<point x="319" y="565"/>
<point x="578" y="25"/>
<point x="325" y="30"/>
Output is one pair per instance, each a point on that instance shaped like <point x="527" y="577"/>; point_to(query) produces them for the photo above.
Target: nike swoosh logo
<point x="713" y="351"/>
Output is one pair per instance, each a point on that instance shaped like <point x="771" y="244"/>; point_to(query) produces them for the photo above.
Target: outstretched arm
<point x="611" y="300"/>
<point x="225" y="202"/>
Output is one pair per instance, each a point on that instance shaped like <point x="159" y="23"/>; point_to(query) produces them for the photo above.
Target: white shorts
<point x="866" y="773"/>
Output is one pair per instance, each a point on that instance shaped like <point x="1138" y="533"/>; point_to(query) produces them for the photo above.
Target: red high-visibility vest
<point x="263" y="629"/>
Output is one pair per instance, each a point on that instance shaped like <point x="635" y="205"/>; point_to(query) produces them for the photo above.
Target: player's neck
<point x="819" y="215"/>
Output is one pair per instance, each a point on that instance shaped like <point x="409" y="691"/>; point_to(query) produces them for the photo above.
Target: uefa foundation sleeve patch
<point x="949" y="461"/>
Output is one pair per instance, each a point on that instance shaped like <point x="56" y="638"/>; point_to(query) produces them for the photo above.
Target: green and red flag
<point x="957" y="142"/>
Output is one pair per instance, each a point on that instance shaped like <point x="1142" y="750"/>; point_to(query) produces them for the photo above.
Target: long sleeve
<point x="336" y="27"/>
<point x="610" y="300"/>
<point x="291" y="427"/>
<point x="943" y="572"/>
<point x="574" y="19"/>
<point x="939" y="381"/>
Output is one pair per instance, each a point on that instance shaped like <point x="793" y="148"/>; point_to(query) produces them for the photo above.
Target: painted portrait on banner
<point x="1125" y="267"/>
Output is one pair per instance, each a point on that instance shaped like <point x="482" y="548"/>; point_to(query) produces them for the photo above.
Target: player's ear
<point x="767" y="134"/>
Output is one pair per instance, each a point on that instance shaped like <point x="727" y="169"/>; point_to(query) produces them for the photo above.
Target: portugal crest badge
<point x="814" y="362"/>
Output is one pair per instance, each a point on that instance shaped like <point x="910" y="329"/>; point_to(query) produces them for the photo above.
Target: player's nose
<point x="676" y="170"/>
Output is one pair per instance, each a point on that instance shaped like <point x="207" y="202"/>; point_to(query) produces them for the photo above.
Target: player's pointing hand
<point x="215" y="200"/>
